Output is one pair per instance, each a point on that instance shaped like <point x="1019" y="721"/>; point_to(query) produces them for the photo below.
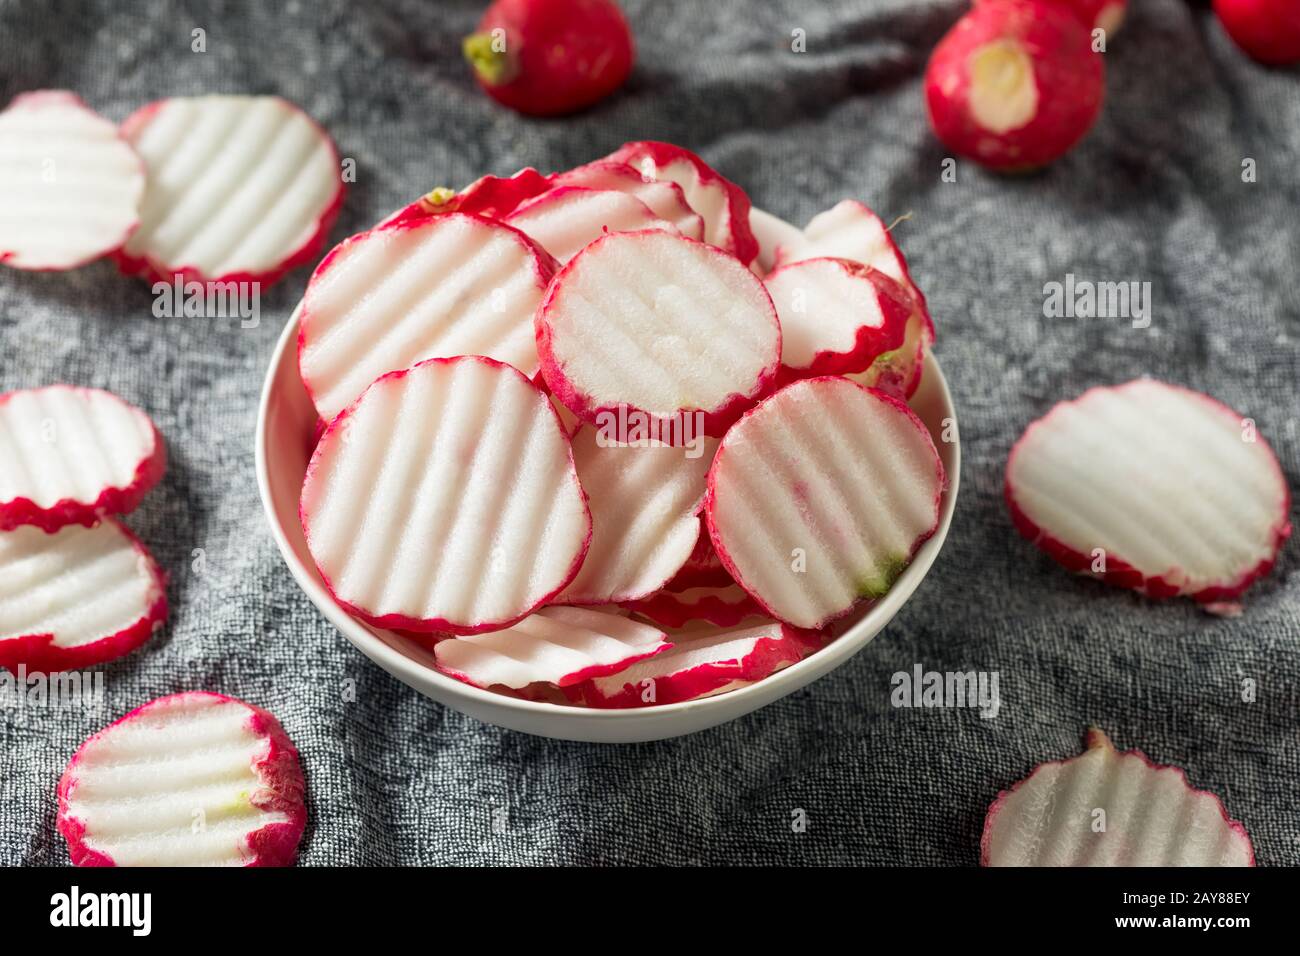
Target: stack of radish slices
<point x="575" y="438"/>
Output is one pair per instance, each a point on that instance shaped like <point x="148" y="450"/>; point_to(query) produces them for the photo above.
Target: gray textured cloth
<point x="1155" y="194"/>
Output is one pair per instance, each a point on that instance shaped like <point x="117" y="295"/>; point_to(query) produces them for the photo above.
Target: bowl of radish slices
<point x="606" y="454"/>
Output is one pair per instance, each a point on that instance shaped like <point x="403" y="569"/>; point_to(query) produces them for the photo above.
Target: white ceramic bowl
<point x="285" y="425"/>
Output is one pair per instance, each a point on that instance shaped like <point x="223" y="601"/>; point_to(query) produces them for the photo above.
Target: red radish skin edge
<point x="730" y="564"/>
<point x="74" y="99"/>
<point x="560" y="56"/>
<point x="869" y="343"/>
<point x="544" y="266"/>
<point x="1068" y="77"/>
<point x="1266" y="30"/>
<point x="493" y="197"/>
<point x="39" y="655"/>
<point x="19" y="512"/>
<point x="744" y="243"/>
<point x="160" y="272"/>
<point x="1094" y="739"/>
<point x="703" y="569"/>
<point x="1119" y="572"/>
<point x="275" y="844"/>
<point x="667" y="609"/>
<point x="716" y="420"/>
<point x="577" y="677"/>
<point x="402" y="622"/>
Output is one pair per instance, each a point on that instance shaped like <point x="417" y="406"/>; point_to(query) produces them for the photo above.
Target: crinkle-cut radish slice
<point x="837" y="315"/>
<point x="446" y="499"/>
<point x="493" y="197"/>
<point x="71" y="455"/>
<point x="1106" y="808"/>
<point x="722" y="204"/>
<point x="701" y="661"/>
<point x="70" y="186"/>
<point x="819" y="497"/>
<point x="850" y="230"/>
<point x="76" y="597"/>
<point x="193" y="779"/>
<point x="396" y="295"/>
<point x="240" y="189"/>
<point x="898" y="373"/>
<point x="664" y="197"/>
<point x="645" y="507"/>
<point x="647" y="324"/>
<point x="567" y="218"/>
<point x="1152" y="487"/>
<point x="557" y="645"/>
<point x="724" y="606"/>
<point x="703" y="569"/>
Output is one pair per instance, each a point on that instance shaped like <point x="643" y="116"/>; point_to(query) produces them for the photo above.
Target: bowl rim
<point x="414" y="673"/>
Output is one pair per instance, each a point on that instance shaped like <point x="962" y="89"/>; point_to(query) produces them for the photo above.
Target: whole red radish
<point x="1015" y="84"/>
<point x="1268" y="30"/>
<point x="547" y="57"/>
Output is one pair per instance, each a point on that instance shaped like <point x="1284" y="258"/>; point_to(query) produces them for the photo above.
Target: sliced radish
<point x="76" y="597"/>
<point x="194" y="779"/>
<point x="557" y="645"/>
<point x="386" y="299"/>
<point x="71" y="455"/>
<point x="663" y="196"/>
<point x="819" y="497"/>
<point x="645" y="506"/>
<point x="446" y="499"/>
<point x="1152" y="487"/>
<point x="493" y="197"/>
<point x="724" y="606"/>
<point x="700" y="662"/>
<point x="849" y="230"/>
<point x="70" y="186"/>
<point x="898" y="373"/>
<point x="721" y="203"/>
<point x="836" y="315"/>
<point x="703" y="569"/>
<point x="661" y="326"/>
<point x="565" y="219"/>
<point x="1106" y="808"/>
<point x="241" y="188"/>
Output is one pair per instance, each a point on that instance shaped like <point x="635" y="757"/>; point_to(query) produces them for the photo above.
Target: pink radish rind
<point x="1094" y="739"/>
<point x="284" y="791"/>
<point x="306" y="251"/>
<point x="1118" y="571"/>
<point x="725" y="606"/>
<point x="38" y="653"/>
<point x="493" y="197"/>
<point x="716" y="420"/>
<point x="397" y="621"/>
<point x="114" y="500"/>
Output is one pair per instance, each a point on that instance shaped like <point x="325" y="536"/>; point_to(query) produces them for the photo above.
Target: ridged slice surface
<point x="567" y="218"/>
<point x="850" y="230"/>
<point x="446" y="499"/>
<point x="1177" y="493"/>
<point x="722" y="204"/>
<point x="77" y="597"/>
<point x="437" y="287"/>
<point x="702" y="661"/>
<point x="1106" y="808"/>
<point x="645" y="505"/>
<point x="72" y="455"/>
<point x="70" y="186"/>
<point x="819" y="497"/>
<point x="195" y="779"/>
<point x="240" y="187"/>
<point x="724" y="606"/>
<point x="837" y="315"/>
<point x="557" y="645"/>
<point x="664" y="197"/>
<point x="657" y="324"/>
